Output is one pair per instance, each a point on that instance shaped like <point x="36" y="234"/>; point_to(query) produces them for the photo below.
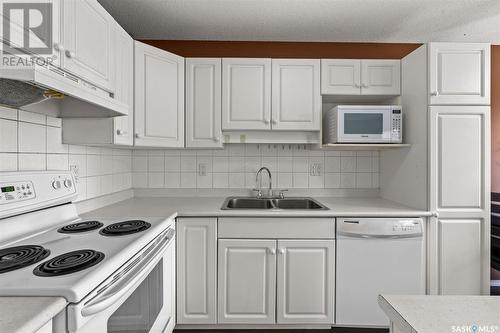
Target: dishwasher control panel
<point x="380" y="227"/>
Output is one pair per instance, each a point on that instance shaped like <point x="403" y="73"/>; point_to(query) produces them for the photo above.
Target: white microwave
<point x="363" y="124"/>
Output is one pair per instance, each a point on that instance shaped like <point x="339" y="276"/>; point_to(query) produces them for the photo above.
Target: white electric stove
<point x="115" y="273"/>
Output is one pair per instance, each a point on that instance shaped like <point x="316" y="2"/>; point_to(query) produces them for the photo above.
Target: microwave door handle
<point x="129" y="280"/>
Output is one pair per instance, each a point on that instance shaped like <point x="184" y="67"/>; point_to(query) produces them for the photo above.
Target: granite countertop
<point x="28" y="314"/>
<point x="210" y="206"/>
<point x="433" y="314"/>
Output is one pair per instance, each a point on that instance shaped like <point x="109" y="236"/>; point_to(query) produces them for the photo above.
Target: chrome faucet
<point x="258" y="187"/>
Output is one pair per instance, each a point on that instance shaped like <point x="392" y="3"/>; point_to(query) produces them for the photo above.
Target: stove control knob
<point x="68" y="183"/>
<point x="56" y="184"/>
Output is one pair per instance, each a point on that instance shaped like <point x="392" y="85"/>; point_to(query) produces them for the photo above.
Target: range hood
<point x="31" y="87"/>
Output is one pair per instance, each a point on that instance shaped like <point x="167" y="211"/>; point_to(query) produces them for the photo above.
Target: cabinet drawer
<point x="276" y="227"/>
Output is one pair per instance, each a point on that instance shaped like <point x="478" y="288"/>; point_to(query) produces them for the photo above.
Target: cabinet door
<point x="380" y="77"/>
<point x="459" y="256"/>
<point x="296" y="97"/>
<point x="247" y="281"/>
<point x="459" y="159"/>
<point x="306" y="280"/>
<point x="203" y="103"/>
<point x="88" y="42"/>
<point x="124" y="88"/>
<point x="459" y="73"/>
<point x="459" y="190"/>
<point x="159" y="97"/>
<point x="196" y="270"/>
<point x="246" y="94"/>
<point x="340" y="77"/>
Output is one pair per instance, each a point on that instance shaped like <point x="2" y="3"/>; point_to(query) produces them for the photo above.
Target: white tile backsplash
<point x="32" y="162"/>
<point x="8" y="136"/>
<point x="235" y="167"/>
<point x="31" y="142"/>
<point x="8" y="161"/>
<point x="31" y="138"/>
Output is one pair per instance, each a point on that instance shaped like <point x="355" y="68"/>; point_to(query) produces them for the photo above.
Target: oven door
<point x="364" y="125"/>
<point x="139" y="299"/>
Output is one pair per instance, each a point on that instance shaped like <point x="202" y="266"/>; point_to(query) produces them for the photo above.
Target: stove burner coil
<point x="80" y="227"/>
<point x="125" y="228"/>
<point x="68" y="263"/>
<point x="17" y="257"/>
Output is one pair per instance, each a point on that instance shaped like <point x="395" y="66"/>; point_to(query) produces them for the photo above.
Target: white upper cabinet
<point x="89" y="49"/>
<point x="246" y="94"/>
<point x="124" y="88"/>
<point x="459" y="73"/>
<point x="340" y="77"/>
<point x="380" y="77"/>
<point x="203" y="103"/>
<point x="296" y="97"/>
<point x="159" y="97"/>
<point x="360" y="77"/>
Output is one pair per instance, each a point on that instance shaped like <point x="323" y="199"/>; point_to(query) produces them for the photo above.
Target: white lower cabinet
<point x="306" y="280"/>
<point x="196" y="270"/>
<point x="255" y="271"/>
<point x="257" y="277"/>
<point x="247" y="281"/>
<point x="459" y="262"/>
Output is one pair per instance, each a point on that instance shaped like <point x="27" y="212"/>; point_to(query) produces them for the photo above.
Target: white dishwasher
<point x="376" y="256"/>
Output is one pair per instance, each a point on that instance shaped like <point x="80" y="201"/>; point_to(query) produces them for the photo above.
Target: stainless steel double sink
<point x="265" y="203"/>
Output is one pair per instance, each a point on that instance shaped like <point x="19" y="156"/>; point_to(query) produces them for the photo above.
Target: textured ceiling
<point x="310" y="20"/>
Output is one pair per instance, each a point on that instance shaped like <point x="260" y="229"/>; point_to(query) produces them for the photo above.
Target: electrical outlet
<point x="202" y="169"/>
<point x="75" y="170"/>
<point x="315" y="169"/>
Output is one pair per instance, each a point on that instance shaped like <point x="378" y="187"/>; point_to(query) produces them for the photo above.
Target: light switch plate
<point x="202" y="169"/>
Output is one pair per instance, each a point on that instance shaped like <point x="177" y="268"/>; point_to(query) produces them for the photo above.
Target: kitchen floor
<point x="332" y="330"/>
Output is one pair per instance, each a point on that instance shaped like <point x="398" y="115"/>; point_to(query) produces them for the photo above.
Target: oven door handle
<point x="124" y="284"/>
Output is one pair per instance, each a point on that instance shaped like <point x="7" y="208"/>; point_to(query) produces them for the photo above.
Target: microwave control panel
<point x="396" y="133"/>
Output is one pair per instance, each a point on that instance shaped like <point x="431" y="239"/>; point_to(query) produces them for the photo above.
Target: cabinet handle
<point x="216" y="138"/>
<point x="281" y="251"/>
<point x="121" y="132"/>
<point x="357" y="85"/>
<point x="435" y="93"/>
<point x="271" y="251"/>
<point x="266" y="121"/>
<point x="69" y="54"/>
<point x="274" y="122"/>
<point x="137" y="136"/>
<point x="364" y="85"/>
<point x="58" y="47"/>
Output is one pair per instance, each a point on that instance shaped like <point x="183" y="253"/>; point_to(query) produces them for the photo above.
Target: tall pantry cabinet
<point x="446" y="97"/>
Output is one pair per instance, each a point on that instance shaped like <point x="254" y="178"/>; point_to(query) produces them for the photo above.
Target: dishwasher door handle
<point x="375" y="236"/>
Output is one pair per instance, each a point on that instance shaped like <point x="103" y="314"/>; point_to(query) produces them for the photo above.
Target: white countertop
<point x="210" y="206"/>
<point x="28" y="314"/>
<point x="434" y="314"/>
